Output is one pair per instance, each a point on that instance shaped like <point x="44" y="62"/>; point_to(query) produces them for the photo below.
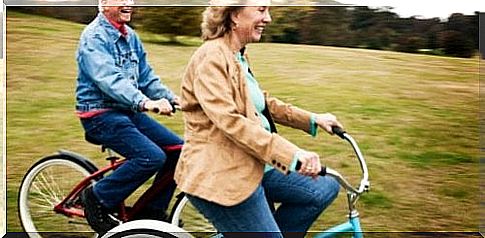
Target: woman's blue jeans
<point x="138" y="138"/>
<point x="302" y="200"/>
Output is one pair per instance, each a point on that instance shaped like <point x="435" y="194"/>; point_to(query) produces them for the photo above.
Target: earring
<point x="234" y="27"/>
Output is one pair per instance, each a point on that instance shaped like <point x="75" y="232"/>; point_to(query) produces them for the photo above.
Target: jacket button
<point x="256" y="114"/>
<point x="273" y="161"/>
<point x="283" y="168"/>
<point x="278" y="164"/>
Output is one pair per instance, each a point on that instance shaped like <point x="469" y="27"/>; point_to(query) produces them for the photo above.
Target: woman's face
<point x="250" y="22"/>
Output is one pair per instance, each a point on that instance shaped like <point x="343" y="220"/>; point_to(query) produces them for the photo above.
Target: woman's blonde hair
<point x="216" y="21"/>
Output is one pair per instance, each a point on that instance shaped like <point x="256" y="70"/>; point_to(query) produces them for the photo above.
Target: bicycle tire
<point x="45" y="184"/>
<point x="192" y="220"/>
<point x="146" y="229"/>
<point x="142" y="233"/>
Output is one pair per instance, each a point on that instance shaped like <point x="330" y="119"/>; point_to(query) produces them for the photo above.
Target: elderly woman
<point x="234" y="165"/>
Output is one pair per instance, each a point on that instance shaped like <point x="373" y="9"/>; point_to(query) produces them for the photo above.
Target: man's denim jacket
<point x="113" y="71"/>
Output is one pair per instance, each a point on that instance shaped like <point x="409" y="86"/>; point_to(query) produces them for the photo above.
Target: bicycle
<point x="49" y="195"/>
<point x="59" y="203"/>
<point x="351" y="227"/>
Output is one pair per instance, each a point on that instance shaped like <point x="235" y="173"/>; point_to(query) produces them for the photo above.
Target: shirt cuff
<point x="140" y="105"/>
<point x="313" y="125"/>
<point x="296" y="156"/>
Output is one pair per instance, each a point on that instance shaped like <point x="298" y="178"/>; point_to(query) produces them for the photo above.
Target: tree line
<point x="358" y="27"/>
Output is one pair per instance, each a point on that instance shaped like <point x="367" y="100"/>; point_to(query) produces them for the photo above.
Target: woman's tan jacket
<point x="226" y="148"/>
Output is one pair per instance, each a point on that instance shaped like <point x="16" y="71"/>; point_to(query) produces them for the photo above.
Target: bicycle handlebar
<point x="364" y="182"/>
<point x="338" y="131"/>
<point x="175" y="107"/>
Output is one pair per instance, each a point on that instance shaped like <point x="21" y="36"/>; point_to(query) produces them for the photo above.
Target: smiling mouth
<point x="126" y="10"/>
<point x="260" y="29"/>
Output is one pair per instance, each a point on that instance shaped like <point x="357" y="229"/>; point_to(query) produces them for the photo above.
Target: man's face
<point x="118" y="10"/>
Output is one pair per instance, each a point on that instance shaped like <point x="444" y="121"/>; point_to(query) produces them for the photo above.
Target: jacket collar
<point x="113" y="33"/>
<point x="227" y="42"/>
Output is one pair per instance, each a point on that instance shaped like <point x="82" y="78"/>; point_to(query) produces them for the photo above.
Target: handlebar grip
<point x="323" y="172"/>
<point x="174" y="108"/>
<point x="338" y="131"/>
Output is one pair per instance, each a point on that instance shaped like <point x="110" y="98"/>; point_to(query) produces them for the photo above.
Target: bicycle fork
<point x="352" y="226"/>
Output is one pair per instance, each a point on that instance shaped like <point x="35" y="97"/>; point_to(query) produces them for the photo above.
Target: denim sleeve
<point x="150" y="84"/>
<point x="98" y="63"/>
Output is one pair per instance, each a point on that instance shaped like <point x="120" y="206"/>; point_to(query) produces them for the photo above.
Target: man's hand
<point x="161" y="106"/>
<point x="176" y="100"/>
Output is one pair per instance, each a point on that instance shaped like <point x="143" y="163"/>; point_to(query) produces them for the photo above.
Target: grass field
<point x="414" y="116"/>
<point x="2" y="160"/>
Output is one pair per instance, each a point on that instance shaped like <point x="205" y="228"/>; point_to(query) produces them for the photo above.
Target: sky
<point x="425" y="8"/>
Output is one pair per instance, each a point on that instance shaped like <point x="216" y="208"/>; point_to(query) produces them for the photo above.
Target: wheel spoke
<point x="44" y="195"/>
<point x="49" y="185"/>
<point x="46" y="184"/>
<point x="55" y="190"/>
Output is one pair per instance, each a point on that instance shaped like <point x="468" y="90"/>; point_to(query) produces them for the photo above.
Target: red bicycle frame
<point x="71" y="204"/>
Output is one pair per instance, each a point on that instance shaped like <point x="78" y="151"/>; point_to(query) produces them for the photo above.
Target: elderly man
<point x="115" y="85"/>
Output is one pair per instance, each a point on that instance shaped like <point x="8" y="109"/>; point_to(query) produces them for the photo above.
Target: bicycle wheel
<point x="46" y="184"/>
<point x="185" y="215"/>
<point x="146" y="229"/>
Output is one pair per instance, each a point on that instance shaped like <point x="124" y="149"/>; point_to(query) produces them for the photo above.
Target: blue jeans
<point x="139" y="139"/>
<point x="302" y="200"/>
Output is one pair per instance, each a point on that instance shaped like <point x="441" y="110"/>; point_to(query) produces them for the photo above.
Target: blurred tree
<point x="375" y="28"/>
<point x="459" y="35"/>
<point x="285" y="25"/>
<point x="432" y="34"/>
<point x="482" y="34"/>
<point x="172" y="21"/>
<point x="76" y="14"/>
<point x="326" y="26"/>
<point x="455" y="43"/>
<point x="410" y="43"/>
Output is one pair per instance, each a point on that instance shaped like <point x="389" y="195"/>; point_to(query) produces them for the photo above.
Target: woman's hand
<point x="161" y="106"/>
<point x="310" y="163"/>
<point x="326" y="121"/>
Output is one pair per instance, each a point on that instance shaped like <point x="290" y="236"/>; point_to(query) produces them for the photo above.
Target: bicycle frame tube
<point x="352" y="226"/>
<point x="150" y="193"/>
<point x="64" y="207"/>
<point x="156" y="187"/>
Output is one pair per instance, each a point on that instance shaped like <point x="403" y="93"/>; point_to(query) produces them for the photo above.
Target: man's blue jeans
<point x="138" y="138"/>
<point x="302" y="200"/>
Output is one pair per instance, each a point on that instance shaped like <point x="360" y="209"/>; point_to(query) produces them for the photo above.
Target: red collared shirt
<point x="119" y="26"/>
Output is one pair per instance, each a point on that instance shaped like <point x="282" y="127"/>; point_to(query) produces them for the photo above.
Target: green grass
<point x="415" y="117"/>
<point x="377" y="200"/>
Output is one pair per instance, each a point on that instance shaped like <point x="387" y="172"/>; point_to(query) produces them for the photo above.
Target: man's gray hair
<point x="100" y="6"/>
